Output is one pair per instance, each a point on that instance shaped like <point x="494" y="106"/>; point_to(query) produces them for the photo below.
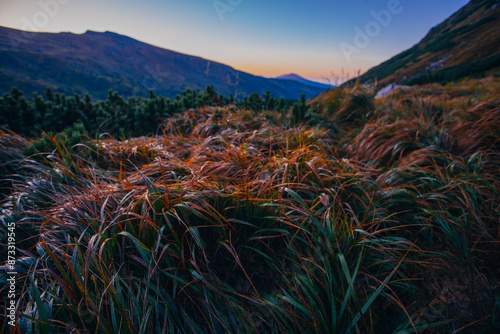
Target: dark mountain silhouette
<point x="96" y="62"/>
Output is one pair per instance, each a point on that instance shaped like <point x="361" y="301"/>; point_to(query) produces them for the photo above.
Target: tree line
<point x="136" y="116"/>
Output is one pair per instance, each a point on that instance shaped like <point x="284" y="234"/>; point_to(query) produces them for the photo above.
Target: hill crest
<point x="467" y="44"/>
<point x="95" y="62"/>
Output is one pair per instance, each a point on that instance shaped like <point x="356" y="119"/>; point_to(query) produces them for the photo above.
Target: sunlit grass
<point x="380" y="218"/>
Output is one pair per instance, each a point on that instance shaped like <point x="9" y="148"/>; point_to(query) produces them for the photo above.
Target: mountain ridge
<point x="465" y="44"/>
<point x="95" y="62"/>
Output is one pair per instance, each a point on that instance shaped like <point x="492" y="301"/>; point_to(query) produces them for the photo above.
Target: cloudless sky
<point x="262" y="37"/>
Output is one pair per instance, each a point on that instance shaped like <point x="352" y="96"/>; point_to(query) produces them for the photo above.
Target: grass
<point x="371" y="216"/>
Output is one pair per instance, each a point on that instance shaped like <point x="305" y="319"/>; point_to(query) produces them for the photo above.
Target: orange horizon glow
<point x="271" y="71"/>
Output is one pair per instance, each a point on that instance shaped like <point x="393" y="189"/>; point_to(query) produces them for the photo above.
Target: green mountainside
<point x="467" y="44"/>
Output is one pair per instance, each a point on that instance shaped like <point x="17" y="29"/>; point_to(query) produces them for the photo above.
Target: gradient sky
<point x="263" y="37"/>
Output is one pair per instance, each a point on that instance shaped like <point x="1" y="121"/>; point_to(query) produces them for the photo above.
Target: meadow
<point x="345" y="214"/>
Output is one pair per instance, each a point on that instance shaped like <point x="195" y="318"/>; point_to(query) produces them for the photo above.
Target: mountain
<point x="298" y="78"/>
<point x="467" y="44"/>
<point x="95" y="62"/>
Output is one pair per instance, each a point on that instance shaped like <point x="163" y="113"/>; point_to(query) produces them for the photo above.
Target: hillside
<point x="466" y="44"/>
<point x="203" y="213"/>
<point x="96" y="62"/>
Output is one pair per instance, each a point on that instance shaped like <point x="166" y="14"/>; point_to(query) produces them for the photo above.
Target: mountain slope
<point x="298" y="78"/>
<point x="95" y="62"/>
<point x="466" y="44"/>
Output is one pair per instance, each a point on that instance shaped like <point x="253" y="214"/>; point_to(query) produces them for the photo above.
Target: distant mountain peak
<point x="291" y="76"/>
<point x="298" y="78"/>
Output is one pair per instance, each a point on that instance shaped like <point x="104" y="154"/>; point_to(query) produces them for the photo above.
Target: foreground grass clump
<point x="370" y="216"/>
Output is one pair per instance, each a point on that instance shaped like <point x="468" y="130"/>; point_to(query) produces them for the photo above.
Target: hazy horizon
<point x="319" y="41"/>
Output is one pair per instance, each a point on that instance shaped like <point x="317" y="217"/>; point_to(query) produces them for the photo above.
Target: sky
<point x="322" y="40"/>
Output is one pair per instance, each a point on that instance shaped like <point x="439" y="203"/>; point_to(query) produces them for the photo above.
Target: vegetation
<point x="344" y="214"/>
<point x="452" y="73"/>
<point x="463" y="46"/>
<point x="114" y="116"/>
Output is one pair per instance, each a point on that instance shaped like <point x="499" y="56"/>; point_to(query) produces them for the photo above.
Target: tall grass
<point x="382" y="218"/>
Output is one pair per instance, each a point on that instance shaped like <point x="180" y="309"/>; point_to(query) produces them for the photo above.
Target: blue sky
<point x="261" y="37"/>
